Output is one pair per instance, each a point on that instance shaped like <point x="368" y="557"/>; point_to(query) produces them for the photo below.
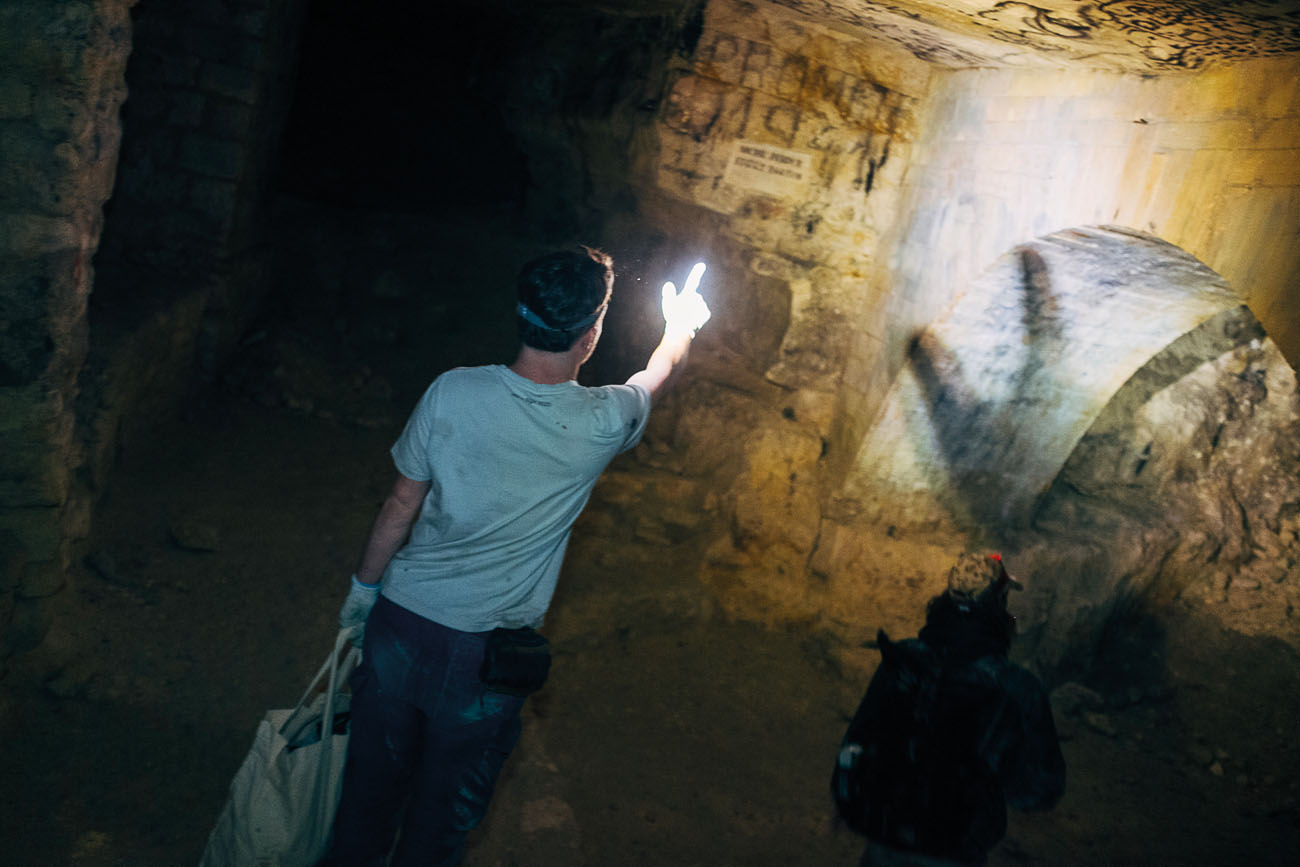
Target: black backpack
<point x="920" y="782"/>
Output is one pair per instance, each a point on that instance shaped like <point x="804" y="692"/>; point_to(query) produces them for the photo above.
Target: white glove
<point x="356" y="608"/>
<point x="687" y="311"/>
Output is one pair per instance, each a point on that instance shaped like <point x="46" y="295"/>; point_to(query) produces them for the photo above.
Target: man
<point x="949" y="733"/>
<point x="494" y="466"/>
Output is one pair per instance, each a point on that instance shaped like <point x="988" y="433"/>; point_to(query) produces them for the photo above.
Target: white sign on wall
<point x="767" y="169"/>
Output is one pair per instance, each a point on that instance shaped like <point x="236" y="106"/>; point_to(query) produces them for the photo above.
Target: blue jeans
<point x="426" y="734"/>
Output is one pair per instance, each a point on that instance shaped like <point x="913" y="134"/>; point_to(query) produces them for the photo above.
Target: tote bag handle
<point x="332" y="672"/>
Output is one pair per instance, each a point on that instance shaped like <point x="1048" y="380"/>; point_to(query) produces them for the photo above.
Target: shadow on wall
<point x="1003" y="384"/>
<point x="1101" y="406"/>
<point x="980" y="438"/>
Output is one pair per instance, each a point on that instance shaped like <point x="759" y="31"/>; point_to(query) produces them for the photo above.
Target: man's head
<point x="561" y="296"/>
<point x="973" y="610"/>
<point x="980" y="580"/>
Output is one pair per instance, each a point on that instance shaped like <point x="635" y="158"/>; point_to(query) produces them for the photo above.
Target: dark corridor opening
<point x="397" y="106"/>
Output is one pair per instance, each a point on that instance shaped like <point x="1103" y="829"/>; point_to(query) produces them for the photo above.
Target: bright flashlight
<point x="686" y="311"/>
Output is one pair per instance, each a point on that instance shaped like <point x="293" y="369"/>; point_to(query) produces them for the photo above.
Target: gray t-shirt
<point x="511" y="464"/>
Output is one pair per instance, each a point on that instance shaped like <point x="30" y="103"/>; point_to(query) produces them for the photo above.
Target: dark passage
<point x="397" y="106"/>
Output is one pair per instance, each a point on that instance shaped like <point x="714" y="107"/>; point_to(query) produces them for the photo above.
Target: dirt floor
<point x="667" y="735"/>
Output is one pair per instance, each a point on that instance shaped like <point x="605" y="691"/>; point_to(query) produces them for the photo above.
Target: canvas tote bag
<point x="282" y="799"/>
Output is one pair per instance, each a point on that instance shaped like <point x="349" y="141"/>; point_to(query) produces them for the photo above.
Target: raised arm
<point x="684" y="313"/>
<point x="667" y="359"/>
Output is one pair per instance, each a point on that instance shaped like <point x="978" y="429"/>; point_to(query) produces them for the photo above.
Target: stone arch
<point x="1016" y="421"/>
<point x="1185" y="488"/>
<point x="997" y="391"/>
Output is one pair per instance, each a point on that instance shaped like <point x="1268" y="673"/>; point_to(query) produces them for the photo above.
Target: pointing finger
<point x="693" y="281"/>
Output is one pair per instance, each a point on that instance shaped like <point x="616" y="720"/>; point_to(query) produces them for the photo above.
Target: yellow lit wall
<point x="1209" y="162"/>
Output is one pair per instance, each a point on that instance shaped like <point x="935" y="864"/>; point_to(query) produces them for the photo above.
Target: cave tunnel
<point x="983" y="275"/>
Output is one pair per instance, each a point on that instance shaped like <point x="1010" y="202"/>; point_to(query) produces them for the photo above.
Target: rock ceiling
<point x="1135" y="35"/>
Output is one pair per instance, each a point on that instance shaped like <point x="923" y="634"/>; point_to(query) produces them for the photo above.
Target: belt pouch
<point x="516" y="661"/>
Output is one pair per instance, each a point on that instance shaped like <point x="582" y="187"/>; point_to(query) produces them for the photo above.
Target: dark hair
<point x="983" y="628"/>
<point x="566" y="291"/>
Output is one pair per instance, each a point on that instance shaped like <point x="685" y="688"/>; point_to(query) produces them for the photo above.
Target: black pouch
<point x="516" y="661"/>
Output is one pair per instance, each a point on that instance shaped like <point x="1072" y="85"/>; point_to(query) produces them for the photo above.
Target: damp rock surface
<point x="674" y="731"/>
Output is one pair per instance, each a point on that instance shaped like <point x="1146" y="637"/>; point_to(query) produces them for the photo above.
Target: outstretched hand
<point x="685" y="311"/>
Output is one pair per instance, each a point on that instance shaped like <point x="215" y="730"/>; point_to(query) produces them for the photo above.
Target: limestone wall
<point x="1187" y="488"/>
<point x="877" y="191"/>
<point x="60" y="90"/>
<point x="184" y="261"/>
<point x="199" y="131"/>
<point x="796" y="137"/>
<point x="801" y="135"/>
<point x="176" y="270"/>
<point x="1208" y="161"/>
<point x="1100" y="407"/>
<point x="999" y="389"/>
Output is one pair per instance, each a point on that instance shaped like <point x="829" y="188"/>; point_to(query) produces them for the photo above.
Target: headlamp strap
<point x="533" y="319"/>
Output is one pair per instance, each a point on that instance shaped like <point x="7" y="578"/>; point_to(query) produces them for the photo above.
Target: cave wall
<point x="1102" y="408"/>
<point x="801" y="136"/>
<point x="205" y="92"/>
<point x="860" y="191"/>
<point x="184" y="262"/>
<point x="1207" y="161"/>
<point x="60" y="91"/>
<point x="164" y="228"/>
<point x="1185" y="489"/>
<point x="845" y="190"/>
<point x="998" y="389"/>
<point x="899" y="216"/>
<point x="1141" y="36"/>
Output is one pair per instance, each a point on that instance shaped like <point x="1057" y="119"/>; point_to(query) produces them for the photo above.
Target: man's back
<point x="923" y="782"/>
<point x="492" y="468"/>
<point x="949" y="732"/>
<point x="511" y="464"/>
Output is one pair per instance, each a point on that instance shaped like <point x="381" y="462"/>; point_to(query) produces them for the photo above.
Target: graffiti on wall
<point x="1163" y="34"/>
<point x="896" y="23"/>
<point x="1146" y="34"/>
<point x="1190" y="36"/>
<point x="1027" y="24"/>
<point x="798" y="82"/>
<point x="742" y="90"/>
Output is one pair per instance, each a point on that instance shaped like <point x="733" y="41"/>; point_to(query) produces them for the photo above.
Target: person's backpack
<point x="911" y="774"/>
